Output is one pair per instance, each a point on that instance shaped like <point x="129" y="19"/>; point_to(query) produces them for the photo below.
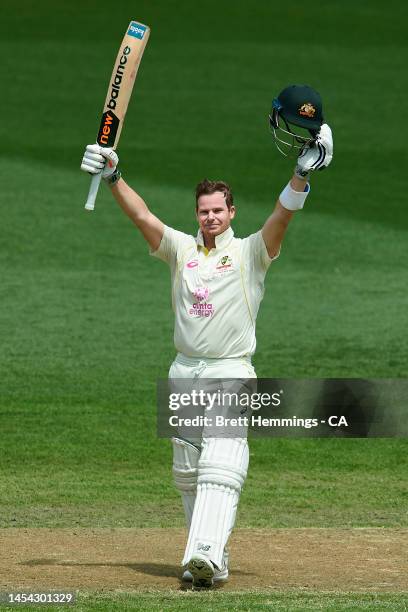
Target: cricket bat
<point x="119" y="92"/>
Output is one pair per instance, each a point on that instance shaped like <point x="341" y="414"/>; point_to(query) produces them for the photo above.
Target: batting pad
<point x="222" y="469"/>
<point x="185" y="463"/>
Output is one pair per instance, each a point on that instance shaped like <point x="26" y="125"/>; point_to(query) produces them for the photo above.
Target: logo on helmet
<point x="307" y="110"/>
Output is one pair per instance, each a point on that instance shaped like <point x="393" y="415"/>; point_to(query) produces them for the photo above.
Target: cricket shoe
<point x="220" y="575"/>
<point x="202" y="570"/>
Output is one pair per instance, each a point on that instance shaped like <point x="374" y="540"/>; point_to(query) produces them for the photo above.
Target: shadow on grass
<point x="152" y="569"/>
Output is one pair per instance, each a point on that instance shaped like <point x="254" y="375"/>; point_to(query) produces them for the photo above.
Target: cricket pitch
<point x="349" y="560"/>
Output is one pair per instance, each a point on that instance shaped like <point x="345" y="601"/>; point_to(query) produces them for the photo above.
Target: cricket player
<point x="217" y="287"/>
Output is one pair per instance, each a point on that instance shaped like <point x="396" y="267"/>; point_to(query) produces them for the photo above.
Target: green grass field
<point x="299" y="602"/>
<point x="85" y="320"/>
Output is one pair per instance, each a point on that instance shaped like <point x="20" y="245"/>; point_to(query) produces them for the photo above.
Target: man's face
<point x="213" y="214"/>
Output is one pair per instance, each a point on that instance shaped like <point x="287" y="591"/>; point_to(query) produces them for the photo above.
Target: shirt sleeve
<point x="258" y="253"/>
<point x="170" y="245"/>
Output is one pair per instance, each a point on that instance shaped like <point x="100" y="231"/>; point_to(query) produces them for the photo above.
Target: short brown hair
<point x="207" y="187"/>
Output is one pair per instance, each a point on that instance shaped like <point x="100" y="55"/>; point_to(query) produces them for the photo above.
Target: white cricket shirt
<point x="215" y="294"/>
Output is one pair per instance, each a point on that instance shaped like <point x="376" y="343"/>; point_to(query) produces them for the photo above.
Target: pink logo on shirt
<point x="201" y="293"/>
<point x="192" y="264"/>
<point x="201" y="308"/>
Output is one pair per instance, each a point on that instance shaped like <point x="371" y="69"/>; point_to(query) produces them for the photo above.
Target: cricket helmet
<point x="296" y="118"/>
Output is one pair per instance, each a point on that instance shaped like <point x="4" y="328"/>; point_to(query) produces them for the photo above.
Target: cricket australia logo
<point x="201" y="307"/>
<point x="307" y="110"/>
<point x="224" y="263"/>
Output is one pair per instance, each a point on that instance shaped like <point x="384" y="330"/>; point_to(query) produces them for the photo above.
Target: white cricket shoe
<point x="220" y="575"/>
<point x="202" y="570"/>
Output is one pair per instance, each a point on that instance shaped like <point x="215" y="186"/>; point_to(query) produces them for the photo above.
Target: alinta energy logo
<point x="201" y="307"/>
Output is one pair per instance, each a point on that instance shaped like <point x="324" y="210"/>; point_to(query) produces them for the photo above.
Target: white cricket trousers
<point x="210" y="472"/>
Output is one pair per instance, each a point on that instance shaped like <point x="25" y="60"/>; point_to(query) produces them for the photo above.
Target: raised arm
<point x="97" y="159"/>
<point x="136" y="209"/>
<point x="275" y="226"/>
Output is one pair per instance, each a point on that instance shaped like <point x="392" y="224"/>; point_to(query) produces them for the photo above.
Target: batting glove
<point x="98" y="158"/>
<point x="316" y="156"/>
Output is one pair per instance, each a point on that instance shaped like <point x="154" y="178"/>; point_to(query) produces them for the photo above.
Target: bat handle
<point x="93" y="191"/>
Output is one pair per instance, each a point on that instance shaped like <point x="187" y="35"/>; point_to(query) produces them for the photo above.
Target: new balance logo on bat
<point x="108" y="129"/>
<point x="117" y="79"/>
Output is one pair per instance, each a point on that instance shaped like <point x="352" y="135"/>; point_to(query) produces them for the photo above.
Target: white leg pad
<point x="222" y="469"/>
<point x="185" y="469"/>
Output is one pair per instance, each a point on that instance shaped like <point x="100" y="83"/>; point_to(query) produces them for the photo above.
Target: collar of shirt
<point x="221" y="241"/>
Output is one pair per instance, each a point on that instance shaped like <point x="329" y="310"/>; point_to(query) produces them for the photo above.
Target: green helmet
<point x="296" y="118"/>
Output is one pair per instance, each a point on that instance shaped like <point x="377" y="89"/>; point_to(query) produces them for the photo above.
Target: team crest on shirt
<point x="224" y="263"/>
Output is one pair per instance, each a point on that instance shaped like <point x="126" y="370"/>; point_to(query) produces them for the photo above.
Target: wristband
<point x="293" y="200"/>
<point x="114" y="177"/>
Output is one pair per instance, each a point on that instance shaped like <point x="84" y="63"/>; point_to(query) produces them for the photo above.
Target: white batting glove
<point x="316" y="156"/>
<point x="97" y="158"/>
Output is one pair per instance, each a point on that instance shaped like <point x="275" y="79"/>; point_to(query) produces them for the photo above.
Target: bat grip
<point x="93" y="191"/>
